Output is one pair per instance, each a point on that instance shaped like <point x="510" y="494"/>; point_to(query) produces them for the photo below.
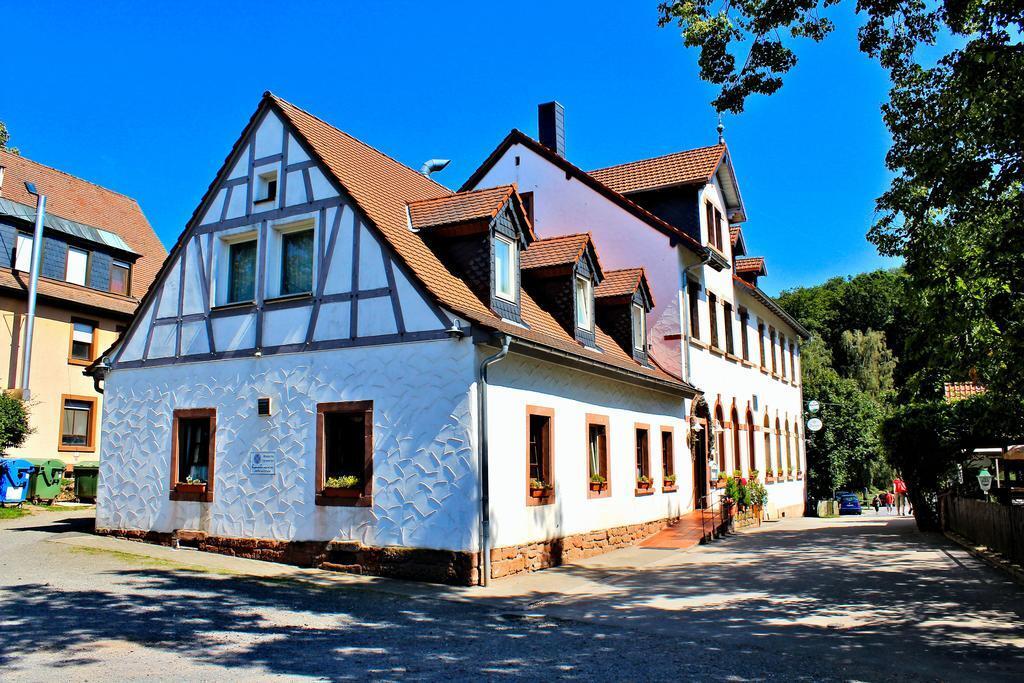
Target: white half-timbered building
<point x="343" y="361"/>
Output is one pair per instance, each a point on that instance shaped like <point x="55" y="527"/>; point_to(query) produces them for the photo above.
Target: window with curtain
<point x="597" y="449"/>
<point x="120" y="277"/>
<point x="76" y="423"/>
<point x="297" y="262"/>
<point x="668" y="457"/>
<point x="241" y="271"/>
<point x="193" y="449"/>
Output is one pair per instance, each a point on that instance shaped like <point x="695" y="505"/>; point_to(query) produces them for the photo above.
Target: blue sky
<point x="148" y="100"/>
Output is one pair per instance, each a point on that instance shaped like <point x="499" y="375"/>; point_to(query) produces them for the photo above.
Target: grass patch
<point x="152" y="562"/>
<point x="12" y="513"/>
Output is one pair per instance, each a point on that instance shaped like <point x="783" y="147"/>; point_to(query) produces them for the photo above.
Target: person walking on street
<point x="901" y="495"/>
<point x="875" y="503"/>
<point x="888" y="502"/>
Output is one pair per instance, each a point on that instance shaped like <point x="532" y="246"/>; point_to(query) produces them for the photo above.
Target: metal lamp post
<point x="30" y="316"/>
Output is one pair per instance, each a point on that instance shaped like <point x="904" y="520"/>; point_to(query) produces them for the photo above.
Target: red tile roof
<point x="461" y="207"/>
<point x="517" y="137"/>
<point x="84" y="202"/>
<point x="957" y="391"/>
<point x="623" y="282"/>
<point x="753" y="264"/>
<point x="734" y="234"/>
<point x="562" y="250"/>
<point x="681" y="168"/>
<point x="383" y="188"/>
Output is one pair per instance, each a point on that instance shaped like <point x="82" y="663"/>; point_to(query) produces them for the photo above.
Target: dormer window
<point x="639" y="327"/>
<point x="506" y="258"/>
<point x="266" y="187"/>
<point x="584" y="303"/>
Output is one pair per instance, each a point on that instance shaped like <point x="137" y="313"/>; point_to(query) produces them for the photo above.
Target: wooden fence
<point x="995" y="526"/>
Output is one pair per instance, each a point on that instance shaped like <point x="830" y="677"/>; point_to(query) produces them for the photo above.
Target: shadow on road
<point x="817" y="604"/>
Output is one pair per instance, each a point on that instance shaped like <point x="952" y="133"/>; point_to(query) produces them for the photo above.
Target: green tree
<point x="846" y="451"/>
<point x="14" y="425"/>
<point x="5" y="138"/>
<point x="865" y="358"/>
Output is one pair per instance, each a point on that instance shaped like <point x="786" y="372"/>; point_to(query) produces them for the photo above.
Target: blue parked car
<point x="849" y="504"/>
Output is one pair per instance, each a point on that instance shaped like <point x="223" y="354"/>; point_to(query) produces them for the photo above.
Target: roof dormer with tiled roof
<point x="99" y="250"/>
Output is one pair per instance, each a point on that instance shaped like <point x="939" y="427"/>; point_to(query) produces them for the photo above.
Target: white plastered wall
<point x="518" y="382"/>
<point x="425" y="481"/>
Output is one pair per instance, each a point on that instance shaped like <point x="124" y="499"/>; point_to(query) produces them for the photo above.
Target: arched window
<point x="767" y="443"/>
<point x="751" y="454"/>
<point x="720" y="439"/>
<point x="778" y="446"/>
<point x="737" y="464"/>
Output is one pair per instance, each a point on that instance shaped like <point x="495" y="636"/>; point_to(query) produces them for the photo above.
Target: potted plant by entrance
<point x="539" y="488"/>
<point x="347" y="486"/>
<point x="754" y="474"/>
<point x="769" y="475"/>
<point x="191" y="485"/>
<point x="720" y="484"/>
<point x="643" y="482"/>
<point x="598" y="483"/>
<point x="670" y="482"/>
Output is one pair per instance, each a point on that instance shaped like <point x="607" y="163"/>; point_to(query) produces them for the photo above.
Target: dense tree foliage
<point x="848" y="367"/>
<point x="954" y="210"/>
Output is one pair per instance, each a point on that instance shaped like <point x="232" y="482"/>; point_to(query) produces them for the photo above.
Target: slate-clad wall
<point x="8" y="239"/>
<point x="99" y="271"/>
<point x="55" y="258"/>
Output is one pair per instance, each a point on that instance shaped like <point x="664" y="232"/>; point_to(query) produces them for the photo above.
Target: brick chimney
<point x="551" y="127"/>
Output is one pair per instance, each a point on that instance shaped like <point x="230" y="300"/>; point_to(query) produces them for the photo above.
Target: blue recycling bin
<point x="14" y="478"/>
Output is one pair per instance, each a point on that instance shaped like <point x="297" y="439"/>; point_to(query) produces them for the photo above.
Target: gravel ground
<point x="849" y="599"/>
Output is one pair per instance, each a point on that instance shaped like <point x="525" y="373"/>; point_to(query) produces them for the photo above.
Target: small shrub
<point x="14" y="425"/>
<point x="539" y="484"/>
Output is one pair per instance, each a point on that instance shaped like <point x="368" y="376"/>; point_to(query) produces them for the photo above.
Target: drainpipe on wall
<point x="686" y="309"/>
<point x="485" y="510"/>
<point x="33" y="287"/>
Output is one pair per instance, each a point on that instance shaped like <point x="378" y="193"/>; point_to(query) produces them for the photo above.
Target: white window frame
<point x="82" y="260"/>
<point x="219" y="291"/>
<point x="639" y="321"/>
<point x="584" y="312"/>
<point x="23" y="252"/>
<point x="506" y="290"/>
<point x="275" y="246"/>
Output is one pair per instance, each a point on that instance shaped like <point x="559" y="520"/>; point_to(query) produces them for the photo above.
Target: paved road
<point x="850" y="599"/>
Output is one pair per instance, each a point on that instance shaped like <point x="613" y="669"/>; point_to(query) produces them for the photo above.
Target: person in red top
<point x="900" y="487"/>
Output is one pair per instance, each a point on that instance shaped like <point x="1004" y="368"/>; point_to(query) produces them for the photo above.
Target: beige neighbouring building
<point x="99" y="257"/>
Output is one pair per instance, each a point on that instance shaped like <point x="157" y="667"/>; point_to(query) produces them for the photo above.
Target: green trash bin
<point x="87" y="475"/>
<point x="45" y="481"/>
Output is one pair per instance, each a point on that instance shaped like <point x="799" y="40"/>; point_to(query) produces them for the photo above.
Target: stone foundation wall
<point x="529" y="557"/>
<point x="419" y="564"/>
